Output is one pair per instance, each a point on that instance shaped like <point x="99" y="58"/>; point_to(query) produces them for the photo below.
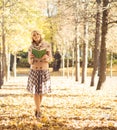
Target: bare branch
<point x="112" y="22"/>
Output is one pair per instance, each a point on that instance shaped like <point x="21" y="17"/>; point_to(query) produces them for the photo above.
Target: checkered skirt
<point x="39" y="82"/>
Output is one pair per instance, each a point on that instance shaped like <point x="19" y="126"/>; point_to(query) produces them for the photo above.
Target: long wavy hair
<point x="35" y="31"/>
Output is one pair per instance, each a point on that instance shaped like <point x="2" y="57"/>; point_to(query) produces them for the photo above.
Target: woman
<point x="39" y="76"/>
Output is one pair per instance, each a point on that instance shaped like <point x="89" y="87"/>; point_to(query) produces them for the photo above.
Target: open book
<point x="38" y="53"/>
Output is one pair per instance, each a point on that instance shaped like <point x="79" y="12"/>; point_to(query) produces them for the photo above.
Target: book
<point x="38" y="53"/>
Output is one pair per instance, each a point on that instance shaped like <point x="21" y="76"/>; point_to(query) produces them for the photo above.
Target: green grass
<point x="67" y="71"/>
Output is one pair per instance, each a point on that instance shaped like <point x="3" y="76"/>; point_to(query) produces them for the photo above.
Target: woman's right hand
<point x="31" y="55"/>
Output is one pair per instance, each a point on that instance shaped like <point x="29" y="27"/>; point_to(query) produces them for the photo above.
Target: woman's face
<point x="36" y="36"/>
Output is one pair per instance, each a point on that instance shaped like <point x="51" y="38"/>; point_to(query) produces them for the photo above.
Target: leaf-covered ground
<point x="70" y="106"/>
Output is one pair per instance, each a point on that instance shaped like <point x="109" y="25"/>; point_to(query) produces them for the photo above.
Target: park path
<point x="69" y="82"/>
<point x="70" y="106"/>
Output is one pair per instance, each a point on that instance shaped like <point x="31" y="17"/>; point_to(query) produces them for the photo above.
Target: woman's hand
<point x="45" y="58"/>
<point x="31" y="55"/>
<point x="30" y="58"/>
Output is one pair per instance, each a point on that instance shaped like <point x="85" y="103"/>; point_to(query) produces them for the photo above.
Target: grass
<point x="67" y="71"/>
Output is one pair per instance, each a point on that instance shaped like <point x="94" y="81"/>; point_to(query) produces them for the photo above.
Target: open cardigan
<point x="39" y="63"/>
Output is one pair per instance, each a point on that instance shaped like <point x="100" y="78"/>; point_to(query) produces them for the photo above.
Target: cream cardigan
<point x="39" y="63"/>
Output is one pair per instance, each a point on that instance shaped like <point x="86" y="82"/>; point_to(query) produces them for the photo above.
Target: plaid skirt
<point x="39" y="82"/>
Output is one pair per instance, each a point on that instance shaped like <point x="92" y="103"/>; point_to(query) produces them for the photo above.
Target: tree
<point x="77" y="45"/>
<point x="3" y="46"/>
<point x="103" y="59"/>
<point x="85" y="44"/>
<point x="1" y="69"/>
<point x="97" y="41"/>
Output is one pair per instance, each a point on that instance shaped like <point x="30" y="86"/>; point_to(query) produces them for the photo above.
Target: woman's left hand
<point x="45" y="58"/>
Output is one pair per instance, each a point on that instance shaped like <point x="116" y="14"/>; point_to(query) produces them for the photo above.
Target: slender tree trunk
<point x="14" y="66"/>
<point x="63" y="60"/>
<point x="102" y="75"/>
<point x="111" y="64"/>
<point x="97" y="41"/>
<point x="8" y="72"/>
<point x="68" y="50"/>
<point x="50" y="13"/>
<point x="1" y="74"/>
<point x="85" y="44"/>
<point x="63" y="65"/>
<point x="77" y="54"/>
<point x="4" y="58"/>
<point x="77" y="64"/>
<point x="72" y="62"/>
<point x="4" y="63"/>
<point x="85" y="53"/>
<point x="68" y="67"/>
<point x="1" y="65"/>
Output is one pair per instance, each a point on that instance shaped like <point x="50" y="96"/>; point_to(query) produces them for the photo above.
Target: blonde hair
<point x="35" y="31"/>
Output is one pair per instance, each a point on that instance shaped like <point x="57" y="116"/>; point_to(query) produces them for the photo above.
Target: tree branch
<point x="112" y="22"/>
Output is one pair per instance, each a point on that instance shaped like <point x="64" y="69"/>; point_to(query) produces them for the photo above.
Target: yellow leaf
<point x="39" y="125"/>
<point x="110" y="124"/>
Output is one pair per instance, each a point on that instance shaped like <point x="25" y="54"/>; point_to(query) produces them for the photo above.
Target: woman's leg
<point x="40" y="99"/>
<point x="37" y="100"/>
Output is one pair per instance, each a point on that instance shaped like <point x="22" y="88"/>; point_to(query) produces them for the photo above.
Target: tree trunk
<point x="4" y="63"/>
<point x="96" y="47"/>
<point x="72" y="62"/>
<point x="8" y="72"/>
<point x="1" y="66"/>
<point x="1" y="75"/>
<point x="14" y="66"/>
<point x="85" y="44"/>
<point x="77" y="54"/>
<point x="111" y="63"/>
<point x="4" y="59"/>
<point x="50" y="14"/>
<point x="63" y="60"/>
<point x="77" y="63"/>
<point x="85" y="53"/>
<point x="102" y="75"/>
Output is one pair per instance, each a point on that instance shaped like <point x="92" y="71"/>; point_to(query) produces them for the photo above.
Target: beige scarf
<point x="40" y="46"/>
